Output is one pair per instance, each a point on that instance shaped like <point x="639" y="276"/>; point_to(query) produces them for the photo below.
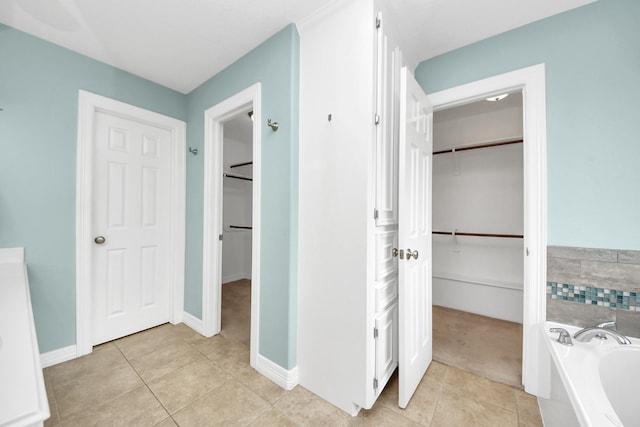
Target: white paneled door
<point x="132" y="227"/>
<point x="414" y="236"/>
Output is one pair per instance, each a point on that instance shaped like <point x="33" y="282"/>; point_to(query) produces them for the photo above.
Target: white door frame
<point x="531" y="81"/>
<point x="214" y="118"/>
<point x="88" y="105"/>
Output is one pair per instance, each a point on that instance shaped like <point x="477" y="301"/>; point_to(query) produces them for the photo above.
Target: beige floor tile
<point x="145" y="342"/>
<point x="307" y="409"/>
<point x="454" y="410"/>
<point x="136" y="408"/>
<point x="437" y="371"/>
<point x="219" y="347"/>
<point x="167" y="422"/>
<point x="184" y="385"/>
<point x="54" y="417"/>
<point x="231" y="404"/>
<point x="95" y="388"/>
<point x="229" y="355"/>
<point x="260" y="384"/>
<point x="528" y="410"/>
<point x="273" y="418"/>
<point x="381" y="416"/>
<point x="482" y="389"/>
<point x="185" y="333"/>
<point x="102" y="358"/>
<point x="167" y="359"/>
<point x="423" y="402"/>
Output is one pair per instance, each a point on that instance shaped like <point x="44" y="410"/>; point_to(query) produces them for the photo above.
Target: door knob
<point x="394" y="252"/>
<point x="99" y="240"/>
<point x="413" y="254"/>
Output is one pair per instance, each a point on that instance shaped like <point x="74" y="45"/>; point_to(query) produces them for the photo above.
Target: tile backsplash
<point x="624" y="300"/>
<point x="587" y="286"/>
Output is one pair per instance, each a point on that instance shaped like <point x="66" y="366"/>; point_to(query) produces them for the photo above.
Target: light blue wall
<point x="275" y="64"/>
<point x="39" y="85"/>
<point x="592" y="57"/>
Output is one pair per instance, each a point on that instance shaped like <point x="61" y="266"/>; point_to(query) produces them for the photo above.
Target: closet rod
<point x="243" y="227"/>
<point x="473" y="147"/>
<point x="228" y="175"/>
<point x="237" y="165"/>
<point x="459" y="233"/>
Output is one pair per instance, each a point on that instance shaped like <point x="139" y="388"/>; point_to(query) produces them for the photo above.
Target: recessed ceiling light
<point x="497" y="97"/>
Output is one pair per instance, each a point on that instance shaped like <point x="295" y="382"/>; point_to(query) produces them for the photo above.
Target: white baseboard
<point x="193" y="322"/>
<point x="60" y="355"/>
<point x="286" y="379"/>
<point x="237" y="276"/>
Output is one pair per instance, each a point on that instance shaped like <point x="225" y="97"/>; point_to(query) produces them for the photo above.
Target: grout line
<point x="55" y="401"/>
<point x="440" y="392"/>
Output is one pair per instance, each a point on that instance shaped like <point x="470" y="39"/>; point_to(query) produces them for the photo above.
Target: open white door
<point x="414" y="237"/>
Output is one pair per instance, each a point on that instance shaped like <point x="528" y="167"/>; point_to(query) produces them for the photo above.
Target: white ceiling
<point x="181" y="43"/>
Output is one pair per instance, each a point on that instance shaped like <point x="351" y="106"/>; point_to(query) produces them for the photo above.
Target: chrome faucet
<point x="601" y="331"/>
<point x="564" y="338"/>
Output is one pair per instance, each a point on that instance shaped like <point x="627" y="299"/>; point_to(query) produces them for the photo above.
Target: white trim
<point x="60" y="355"/>
<point x="88" y="105"/>
<point x="212" y="223"/>
<point x="287" y="379"/>
<point x="531" y="81"/>
<point x="193" y="322"/>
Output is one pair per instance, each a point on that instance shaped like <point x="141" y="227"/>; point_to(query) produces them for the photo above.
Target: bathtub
<point x="599" y="379"/>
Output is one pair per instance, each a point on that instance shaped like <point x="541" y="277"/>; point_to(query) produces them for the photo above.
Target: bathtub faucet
<point x="601" y="331"/>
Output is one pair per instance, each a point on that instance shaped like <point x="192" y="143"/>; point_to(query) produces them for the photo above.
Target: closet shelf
<point x="245" y="178"/>
<point x="460" y="233"/>
<point x="494" y="283"/>
<point x="474" y="147"/>
<point x="237" y="165"/>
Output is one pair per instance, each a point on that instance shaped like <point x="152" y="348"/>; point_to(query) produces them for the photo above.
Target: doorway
<point x="531" y="81"/>
<point x="220" y="119"/>
<point x="237" y="190"/>
<point x="478" y="252"/>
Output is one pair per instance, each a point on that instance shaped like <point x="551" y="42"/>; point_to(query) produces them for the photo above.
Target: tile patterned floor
<point x="170" y="375"/>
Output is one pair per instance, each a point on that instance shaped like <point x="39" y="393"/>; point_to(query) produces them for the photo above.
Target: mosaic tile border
<point x="623" y="300"/>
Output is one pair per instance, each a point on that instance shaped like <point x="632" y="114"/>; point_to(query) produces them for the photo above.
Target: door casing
<point x="531" y="81"/>
<point x="88" y="104"/>
<point x="212" y="222"/>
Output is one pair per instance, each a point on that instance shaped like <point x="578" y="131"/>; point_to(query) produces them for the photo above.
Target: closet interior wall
<point x="479" y="191"/>
<point x="237" y="200"/>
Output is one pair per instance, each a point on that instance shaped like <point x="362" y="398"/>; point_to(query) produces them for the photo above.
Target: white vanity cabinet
<point x="348" y="278"/>
<point x="23" y="398"/>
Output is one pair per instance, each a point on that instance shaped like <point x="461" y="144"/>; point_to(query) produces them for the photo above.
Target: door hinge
<point x="376" y="119"/>
<point x="378" y="21"/>
<point x="375" y="383"/>
<point x="375" y="333"/>
<point x="219" y="236"/>
<point x="375" y="214"/>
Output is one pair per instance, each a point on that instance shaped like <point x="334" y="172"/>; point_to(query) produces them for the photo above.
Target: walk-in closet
<point x="478" y="214"/>
<point x="236" y="239"/>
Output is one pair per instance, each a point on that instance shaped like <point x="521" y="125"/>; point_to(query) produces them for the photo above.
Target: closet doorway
<point x="231" y="226"/>
<point x="237" y="190"/>
<point x="478" y="237"/>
